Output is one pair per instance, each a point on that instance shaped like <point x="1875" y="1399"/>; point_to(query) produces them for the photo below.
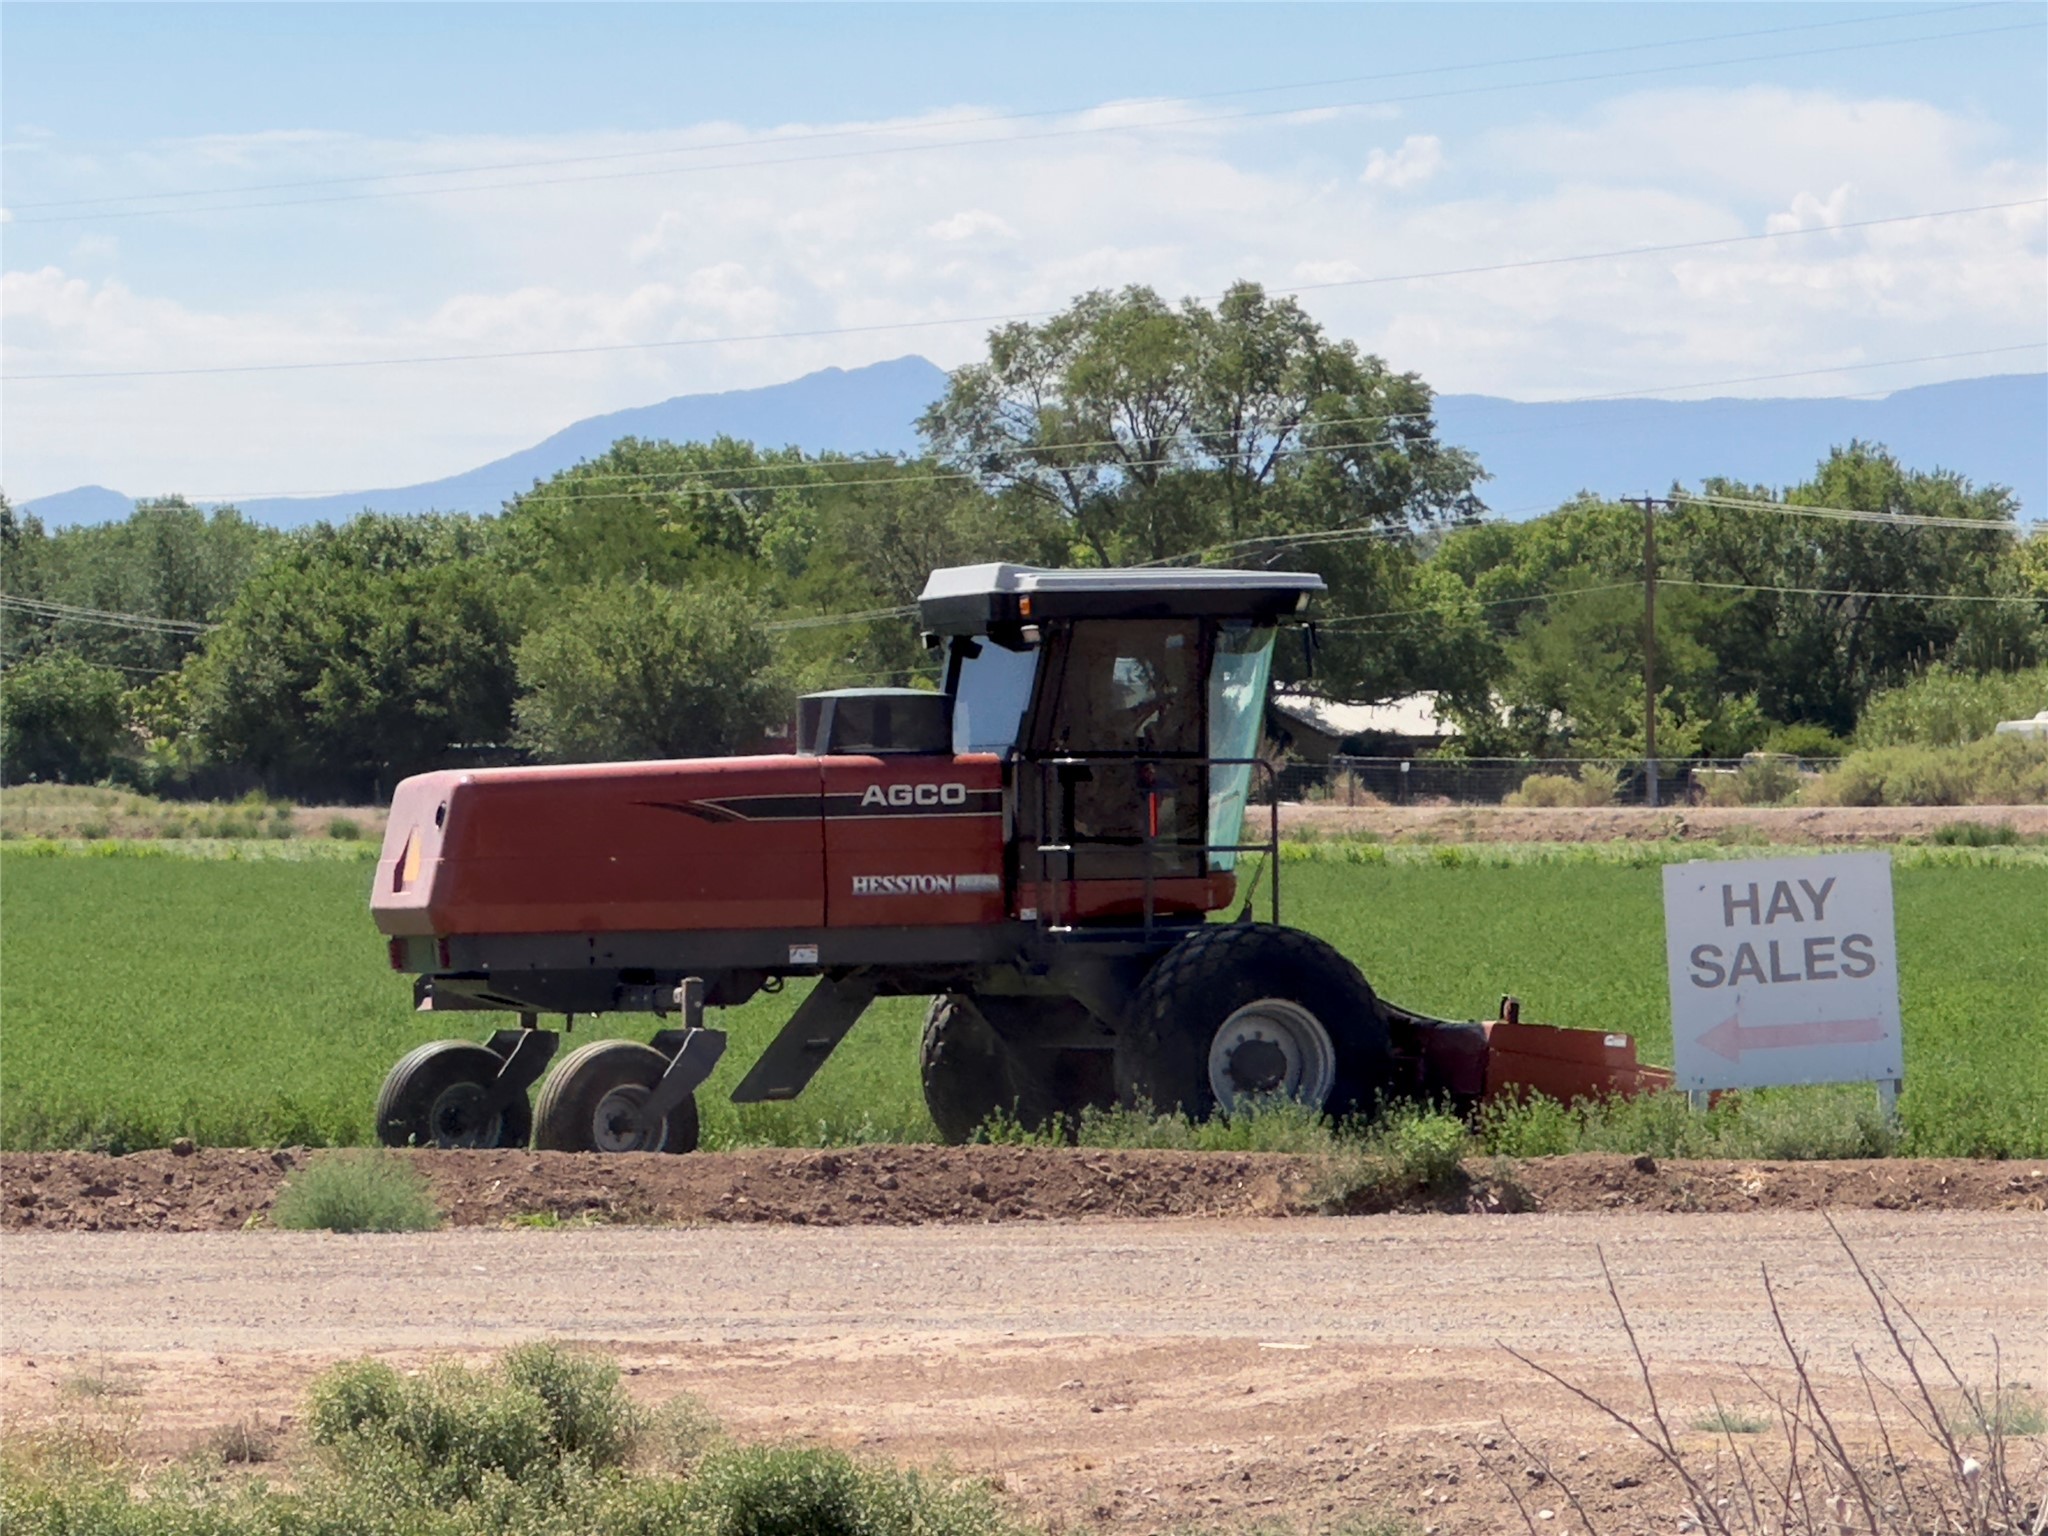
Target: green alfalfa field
<point x="245" y="1000"/>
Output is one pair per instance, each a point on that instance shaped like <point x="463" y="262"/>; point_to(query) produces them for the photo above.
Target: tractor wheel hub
<point x="1272" y="1048"/>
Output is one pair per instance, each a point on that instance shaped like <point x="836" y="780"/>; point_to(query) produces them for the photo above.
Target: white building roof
<point x="1413" y="716"/>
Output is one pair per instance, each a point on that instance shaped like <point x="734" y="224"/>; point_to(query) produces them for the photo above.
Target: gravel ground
<point x="1113" y="1374"/>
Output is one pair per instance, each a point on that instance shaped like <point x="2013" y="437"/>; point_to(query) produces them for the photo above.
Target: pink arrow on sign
<point x="1731" y="1037"/>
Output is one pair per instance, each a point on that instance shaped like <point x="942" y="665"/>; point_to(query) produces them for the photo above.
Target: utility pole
<point x="1650" y="504"/>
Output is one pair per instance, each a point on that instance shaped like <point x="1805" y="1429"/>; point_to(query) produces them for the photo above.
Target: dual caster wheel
<point x="441" y="1096"/>
<point x="445" y="1095"/>
<point x="592" y="1101"/>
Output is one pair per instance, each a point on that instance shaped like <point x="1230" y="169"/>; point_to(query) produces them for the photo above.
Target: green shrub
<point x="1761" y="780"/>
<point x="371" y="1191"/>
<point x="452" y="1434"/>
<point x="785" y="1491"/>
<point x="1412" y="1151"/>
<point x="1945" y="708"/>
<point x="588" y="1415"/>
<point x="353" y="1397"/>
<point x="1997" y="770"/>
<point x="677" y="1435"/>
<point x="1424" y="1148"/>
<point x="1805" y="740"/>
<point x="1595" y="786"/>
<point x="345" y="829"/>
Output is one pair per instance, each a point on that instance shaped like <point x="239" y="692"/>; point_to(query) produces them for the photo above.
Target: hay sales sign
<point x="1783" y="971"/>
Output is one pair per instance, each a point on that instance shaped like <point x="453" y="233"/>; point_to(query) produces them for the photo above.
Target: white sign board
<point x="1783" y="971"/>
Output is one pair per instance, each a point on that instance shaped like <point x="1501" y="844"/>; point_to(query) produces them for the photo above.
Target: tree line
<point x="671" y="599"/>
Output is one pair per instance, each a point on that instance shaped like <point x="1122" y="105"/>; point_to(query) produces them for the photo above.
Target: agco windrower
<point x="1049" y="848"/>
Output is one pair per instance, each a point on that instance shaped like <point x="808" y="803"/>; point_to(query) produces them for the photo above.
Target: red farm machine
<point x="1040" y="848"/>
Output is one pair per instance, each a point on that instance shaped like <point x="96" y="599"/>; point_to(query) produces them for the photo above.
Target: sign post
<point x="1784" y="971"/>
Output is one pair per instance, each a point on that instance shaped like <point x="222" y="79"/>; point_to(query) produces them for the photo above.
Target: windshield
<point x="1237" y="701"/>
<point x="991" y="689"/>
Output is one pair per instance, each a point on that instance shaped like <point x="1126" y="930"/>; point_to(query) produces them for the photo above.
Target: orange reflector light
<point x="1024" y="606"/>
<point x="408" y="869"/>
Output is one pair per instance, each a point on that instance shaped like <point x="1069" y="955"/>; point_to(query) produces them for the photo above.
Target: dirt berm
<point x="214" y="1190"/>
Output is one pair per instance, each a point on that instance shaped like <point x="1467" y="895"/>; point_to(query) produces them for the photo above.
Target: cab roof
<point x="981" y="599"/>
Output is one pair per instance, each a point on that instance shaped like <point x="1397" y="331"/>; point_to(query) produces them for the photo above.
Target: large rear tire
<point x="437" y="1096"/>
<point x="1245" y="1012"/>
<point x="971" y="1073"/>
<point x="591" y="1102"/>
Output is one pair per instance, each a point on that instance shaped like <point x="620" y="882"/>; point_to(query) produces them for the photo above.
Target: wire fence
<point x="1369" y="781"/>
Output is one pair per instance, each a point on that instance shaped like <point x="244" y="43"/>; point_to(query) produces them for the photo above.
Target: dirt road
<point x="1102" y="1372"/>
<point x="1794" y="825"/>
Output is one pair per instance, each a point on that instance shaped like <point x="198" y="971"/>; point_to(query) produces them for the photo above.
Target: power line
<point x="68" y="613"/>
<point x="1855" y="515"/>
<point x="1037" y="314"/>
<point x="1920" y="597"/>
<point x="1552" y="595"/>
<point x="1006" y="117"/>
<point x="835" y="620"/>
<point x="695" y="479"/>
<point x="1060" y="133"/>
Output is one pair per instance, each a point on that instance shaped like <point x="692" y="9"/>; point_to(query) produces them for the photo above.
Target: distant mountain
<point x="1992" y="430"/>
<point x="835" y="410"/>
<point x="87" y="504"/>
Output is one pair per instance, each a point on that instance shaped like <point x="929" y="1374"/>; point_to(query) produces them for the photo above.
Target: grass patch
<point x="98" y="1385"/>
<point x="1280" y="1126"/>
<point x="65" y="812"/>
<point x="368" y="1191"/>
<point x="243" y="1443"/>
<point x="1977" y="834"/>
<point x="1732" y="1421"/>
<point x="1779" y="1125"/>
<point x="2006" y="1413"/>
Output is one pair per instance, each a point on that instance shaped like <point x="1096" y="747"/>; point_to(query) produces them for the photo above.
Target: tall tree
<point x="1841" y="608"/>
<point x="167" y="560"/>
<point x="364" y="653"/>
<point x="1151" y="432"/>
<point x="633" y="670"/>
<point x="60" y="719"/>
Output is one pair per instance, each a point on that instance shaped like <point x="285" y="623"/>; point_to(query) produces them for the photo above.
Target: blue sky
<point x="1172" y="145"/>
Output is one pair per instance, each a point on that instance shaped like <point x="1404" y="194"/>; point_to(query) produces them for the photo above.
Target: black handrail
<point x="1069" y="844"/>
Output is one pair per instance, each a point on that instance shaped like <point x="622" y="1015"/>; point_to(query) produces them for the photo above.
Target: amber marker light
<point x="408" y="863"/>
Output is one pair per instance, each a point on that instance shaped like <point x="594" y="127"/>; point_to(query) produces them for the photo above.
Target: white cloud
<point x="1420" y="156"/>
<point x="837" y="238"/>
<point x="970" y="223"/>
<point x="1762" y="142"/>
<point x="1810" y="212"/>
